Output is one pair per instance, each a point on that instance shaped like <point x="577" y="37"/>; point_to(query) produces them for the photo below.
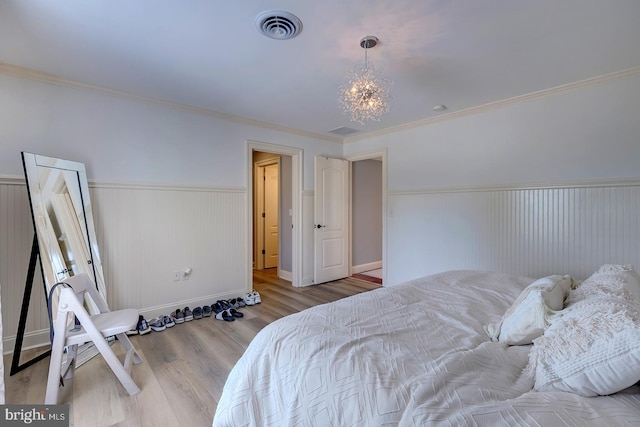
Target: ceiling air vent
<point x="278" y="24"/>
<point x="343" y="131"/>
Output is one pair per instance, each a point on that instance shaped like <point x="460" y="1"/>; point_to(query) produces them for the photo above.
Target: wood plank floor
<point x="184" y="369"/>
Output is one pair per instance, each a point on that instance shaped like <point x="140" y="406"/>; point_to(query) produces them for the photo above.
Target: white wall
<point x="122" y="140"/>
<point x="169" y="188"/>
<point x="565" y="138"/>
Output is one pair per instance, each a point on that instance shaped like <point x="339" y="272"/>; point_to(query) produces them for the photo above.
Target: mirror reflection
<point x="63" y="222"/>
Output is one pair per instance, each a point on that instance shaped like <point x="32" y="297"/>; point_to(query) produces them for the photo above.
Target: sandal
<point x="235" y="313"/>
<point x="225" y="315"/>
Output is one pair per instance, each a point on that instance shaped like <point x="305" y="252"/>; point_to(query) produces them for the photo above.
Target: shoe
<point x="252" y="298"/>
<point x="241" y="302"/>
<point x="225" y="315"/>
<point x="188" y="315"/>
<point x="249" y="299"/>
<point x="168" y="321"/>
<point x="206" y="311"/>
<point x="197" y="313"/>
<point x="178" y="316"/>
<point x="157" y="324"/>
<point x="225" y="304"/>
<point x="234" y="303"/>
<point x="256" y="297"/>
<point x="143" y="326"/>
<point x="235" y="313"/>
<point x="216" y="307"/>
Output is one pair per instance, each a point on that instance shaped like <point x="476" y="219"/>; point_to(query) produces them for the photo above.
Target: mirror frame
<point x="63" y="220"/>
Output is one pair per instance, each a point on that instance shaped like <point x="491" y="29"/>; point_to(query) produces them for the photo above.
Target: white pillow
<point x="593" y="346"/>
<point x="528" y="316"/>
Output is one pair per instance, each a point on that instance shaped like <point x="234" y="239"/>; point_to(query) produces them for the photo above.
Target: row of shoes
<point x="157" y="324"/>
<point x="226" y="310"/>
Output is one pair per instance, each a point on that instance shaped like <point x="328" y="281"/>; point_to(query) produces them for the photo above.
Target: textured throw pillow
<point x="593" y="346"/>
<point x="528" y="316"/>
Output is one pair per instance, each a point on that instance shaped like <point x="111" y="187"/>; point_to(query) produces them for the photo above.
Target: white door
<point x="271" y="216"/>
<point x="331" y="219"/>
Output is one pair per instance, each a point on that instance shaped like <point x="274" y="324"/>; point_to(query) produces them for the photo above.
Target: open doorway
<point x="272" y="213"/>
<point x="367" y="206"/>
<point x="290" y="231"/>
<point x="266" y="202"/>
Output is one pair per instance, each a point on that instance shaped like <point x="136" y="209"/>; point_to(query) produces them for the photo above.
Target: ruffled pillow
<point x="593" y="346"/>
<point x="528" y="316"/>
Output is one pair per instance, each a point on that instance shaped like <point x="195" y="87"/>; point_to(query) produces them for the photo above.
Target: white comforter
<point x="412" y="354"/>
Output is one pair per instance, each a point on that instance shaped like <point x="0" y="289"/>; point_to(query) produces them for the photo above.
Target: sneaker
<point x="168" y="321"/>
<point x="143" y="326"/>
<point x="197" y="313"/>
<point x="249" y="299"/>
<point x="256" y="297"/>
<point x="157" y="324"/>
<point x="178" y="316"/>
<point x="133" y="331"/>
<point x="240" y="302"/>
<point x="188" y="315"/>
<point x="252" y="298"/>
<point x="206" y="311"/>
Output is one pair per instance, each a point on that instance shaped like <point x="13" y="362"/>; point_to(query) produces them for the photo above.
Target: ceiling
<point x="210" y="55"/>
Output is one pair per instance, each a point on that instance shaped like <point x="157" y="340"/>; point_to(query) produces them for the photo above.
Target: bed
<point x="430" y="352"/>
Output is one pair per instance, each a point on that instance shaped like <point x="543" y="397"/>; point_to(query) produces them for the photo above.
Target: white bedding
<point x="412" y="354"/>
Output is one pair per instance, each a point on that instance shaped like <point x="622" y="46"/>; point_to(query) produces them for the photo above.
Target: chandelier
<point x="366" y="94"/>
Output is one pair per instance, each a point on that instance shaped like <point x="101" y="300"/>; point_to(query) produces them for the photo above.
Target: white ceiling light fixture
<point x="366" y="94"/>
<point x="278" y="24"/>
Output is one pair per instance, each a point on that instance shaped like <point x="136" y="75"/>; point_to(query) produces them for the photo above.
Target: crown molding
<point x="593" y="81"/>
<point x="30" y="74"/>
<point x="39" y="76"/>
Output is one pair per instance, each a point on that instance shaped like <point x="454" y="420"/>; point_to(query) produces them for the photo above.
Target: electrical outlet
<point x="177" y="276"/>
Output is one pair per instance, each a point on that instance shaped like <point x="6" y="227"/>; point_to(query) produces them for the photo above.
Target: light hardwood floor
<point x="184" y="369"/>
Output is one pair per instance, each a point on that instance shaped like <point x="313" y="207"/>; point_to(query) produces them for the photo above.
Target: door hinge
<point x="263" y="252"/>
<point x="263" y="215"/>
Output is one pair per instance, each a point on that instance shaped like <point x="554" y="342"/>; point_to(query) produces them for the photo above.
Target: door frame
<point x="377" y="154"/>
<point x="258" y="226"/>
<point x="296" y="208"/>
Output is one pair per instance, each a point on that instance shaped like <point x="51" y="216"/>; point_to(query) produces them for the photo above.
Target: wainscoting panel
<point x="145" y="234"/>
<point x="16" y="238"/>
<point x="533" y="232"/>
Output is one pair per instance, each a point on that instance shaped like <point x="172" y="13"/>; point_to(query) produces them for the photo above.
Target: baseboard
<point x="285" y="275"/>
<point x="30" y="340"/>
<point x="355" y="269"/>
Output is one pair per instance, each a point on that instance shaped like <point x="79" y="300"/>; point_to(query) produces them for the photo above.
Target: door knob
<point x="320" y="226"/>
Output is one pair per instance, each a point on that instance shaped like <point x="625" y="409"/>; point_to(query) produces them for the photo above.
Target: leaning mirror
<point x="62" y="219"/>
